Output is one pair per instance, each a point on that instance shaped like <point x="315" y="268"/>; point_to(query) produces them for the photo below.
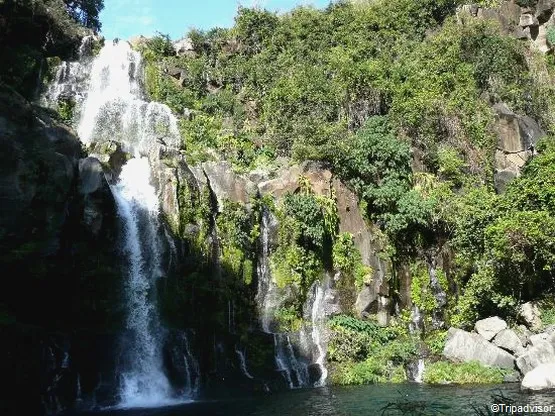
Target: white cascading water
<point x="114" y="109"/>
<point x="266" y="297"/>
<point x="293" y="368"/>
<point x="243" y="363"/>
<point x="420" y="371"/>
<point x="143" y="382"/>
<point x="316" y="306"/>
<point x="71" y="77"/>
<point x="108" y="94"/>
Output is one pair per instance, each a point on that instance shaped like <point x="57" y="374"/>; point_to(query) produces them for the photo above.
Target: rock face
<point x="40" y="27"/>
<point x="287" y="180"/>
<point x="464" y="346"/>
<point x="529" y="23"/>
<point x="490" y="327"/>
<point x="509" y="341"/>
<point x="58" y="237"/>
<point x="184" y="47"/>
<point x="542" y="352"/>
<point x="95" y="192"/>
<point x="530" y="315"/>
<point x="516" y="139"/>
<point x="226" y="184"/>
<point x="540" y="378"/>
<point x="374" y="296"/>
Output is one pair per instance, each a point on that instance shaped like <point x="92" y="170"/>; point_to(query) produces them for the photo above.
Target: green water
<point x="403" y="399"/>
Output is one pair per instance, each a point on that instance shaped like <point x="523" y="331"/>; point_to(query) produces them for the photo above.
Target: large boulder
<point x="373" y="298"/>
<point x="540" y="378"/>
<point x="287" y="180"/>
<point x="544" y="10"/>
<point x="465" y="346"/>
<point x="537" y="339"/>
<point x="530" y="315"/>
<point x="226" y="184"/>
<point x="542" y="352"/>
<point x="490" y="327"/>
<point x="509" y="341"/>
<point x="528" y="19"/>
<point x="91" y="175"/>
<point x="184" y="47"/>
<point x="516" y="139"/>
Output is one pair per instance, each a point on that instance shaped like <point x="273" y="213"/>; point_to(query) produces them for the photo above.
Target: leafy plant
<point x="66" y="108"/>
<point x="443" y="372"/>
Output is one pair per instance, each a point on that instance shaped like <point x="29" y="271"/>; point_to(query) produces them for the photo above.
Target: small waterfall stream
<point x="293" y="365"/>
<point x="316" y="309"/>
<point x="243" y="363"/>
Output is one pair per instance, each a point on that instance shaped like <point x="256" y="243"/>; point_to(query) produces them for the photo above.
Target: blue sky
<point x="126" y="18"/>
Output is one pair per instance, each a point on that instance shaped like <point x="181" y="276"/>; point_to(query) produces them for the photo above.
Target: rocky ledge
<point x="493" y="344"/>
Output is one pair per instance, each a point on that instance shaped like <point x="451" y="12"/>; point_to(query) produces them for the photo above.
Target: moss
<point x="66" y="109"/>
<point x="547" y="310"/>
<point x="444" y="372"/>
<point x="421" y="293"/>
<point x="288" y="319"/>
<point x="348" y="260"/>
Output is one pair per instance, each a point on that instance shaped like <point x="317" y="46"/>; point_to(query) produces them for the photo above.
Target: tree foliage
<point x="86" y="12"/>
<point x="395" y="97"/>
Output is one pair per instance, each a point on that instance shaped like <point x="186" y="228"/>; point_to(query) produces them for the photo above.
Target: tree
<point x="86" y="12"/>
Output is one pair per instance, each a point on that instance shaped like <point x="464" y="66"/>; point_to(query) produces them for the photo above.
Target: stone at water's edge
<point x="464" y="346"/>
<point x="490" y="327"/>
<point x="530" y="315"/>
<point x="540" y="378"/>
<point x="509" y="340"/>
<point x="542" y="352"/>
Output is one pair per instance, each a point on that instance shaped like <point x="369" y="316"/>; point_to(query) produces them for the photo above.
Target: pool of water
<point x="390" y="399"/>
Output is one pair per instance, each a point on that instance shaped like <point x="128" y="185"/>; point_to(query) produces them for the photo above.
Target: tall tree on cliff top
<point x="86" y="12"/>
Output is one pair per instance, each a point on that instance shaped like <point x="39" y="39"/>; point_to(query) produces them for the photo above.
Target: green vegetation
<point x="85" y="12"/>
<point x="395" y="97"/>
<point x="547" y="310"/>
<point x="308" y="224"/>
<point x="443" y="372"/>
<point x="238" y="231"/>
<point x="362" y="352"/>
<point x="288" y="319"/>
<point x="66" y="108"/>
<point x="347" y="259"/>
<point x="435" y="341"/>
<point x="551" y="35"/>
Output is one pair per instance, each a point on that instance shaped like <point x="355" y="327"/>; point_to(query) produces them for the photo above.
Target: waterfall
<point x="143" y="380"/>
<point x="268" y="298"/>
<point x="110" y="107"/>
<point x="416" y="324"/>
<point x="317" y="308"/>
<point x="266" y="295"/>
<point x="420" y="371"/>
<point x="78" y="394"/>
<point x="71" y="78"/>
<point x="415" y="371"/>
<point x="243" y="363"/>
<point x="114" y="109"/>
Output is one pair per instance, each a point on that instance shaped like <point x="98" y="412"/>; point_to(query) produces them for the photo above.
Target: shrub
<point x="348" y="260"/>
<point x="66" y="108"/>
<point x="362" y="352"/>
<point x="443" y="372"/>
